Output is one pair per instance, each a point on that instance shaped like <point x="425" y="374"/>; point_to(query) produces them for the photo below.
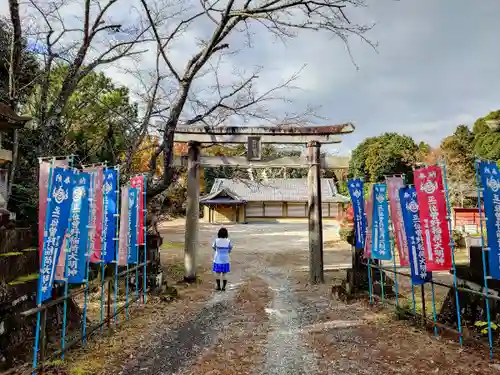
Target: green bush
<point x="458" y="238"/>
<point x="346" y="234"/>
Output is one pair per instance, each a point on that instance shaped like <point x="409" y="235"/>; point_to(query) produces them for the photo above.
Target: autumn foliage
<point x="141" y="158"/>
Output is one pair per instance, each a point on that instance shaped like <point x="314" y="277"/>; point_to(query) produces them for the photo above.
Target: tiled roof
<point x="223" y="195"/>
<point x="281" y="190"/>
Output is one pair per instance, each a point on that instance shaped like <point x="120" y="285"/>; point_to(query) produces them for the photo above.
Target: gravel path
<point x="173" y="350"/>
<point x="285" y="352"/>
<point x="271" y="322"/>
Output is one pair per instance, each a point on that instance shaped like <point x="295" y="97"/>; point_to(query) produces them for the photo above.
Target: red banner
<point x="123" y="237"/>
<point x="369" y="216"/>
<point x="138" y="182"/>
<point x="433" y="213"/>
<point x="97" y="212"/>
<point x="393" y="186"/>
<point x="43" y="189"/>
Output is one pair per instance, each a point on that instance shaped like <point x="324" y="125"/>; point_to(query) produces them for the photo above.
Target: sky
<point x="436" y="66"/>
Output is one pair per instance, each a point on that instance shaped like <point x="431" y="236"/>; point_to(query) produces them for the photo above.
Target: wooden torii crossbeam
<point x="254" y="137"/>
<point x="285" y="134"/>
<point x="327" y="162"/>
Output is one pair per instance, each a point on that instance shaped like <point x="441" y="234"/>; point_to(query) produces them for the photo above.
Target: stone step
<point x="20" y="289"/>
<point x="12" y="240"/>
<point x="18" y="263"/>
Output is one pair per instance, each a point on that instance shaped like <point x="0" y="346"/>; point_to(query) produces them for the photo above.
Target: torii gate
<point x="254" y="137"/>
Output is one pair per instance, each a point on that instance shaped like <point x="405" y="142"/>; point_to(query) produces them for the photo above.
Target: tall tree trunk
<point x="167" y="145"/>
<point x="14" y="69"/>
<point x="13" y="167"/>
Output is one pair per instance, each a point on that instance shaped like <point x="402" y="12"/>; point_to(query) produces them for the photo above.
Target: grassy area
<point x="24" y="279"/>
<point x="11" y="254"/>
<point x="172" y="245"/>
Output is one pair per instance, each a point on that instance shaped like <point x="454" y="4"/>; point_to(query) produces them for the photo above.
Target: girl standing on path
<point x="222" y="247"/>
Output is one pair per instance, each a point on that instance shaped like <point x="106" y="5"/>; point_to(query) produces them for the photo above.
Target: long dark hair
<point x="222" y="233"/>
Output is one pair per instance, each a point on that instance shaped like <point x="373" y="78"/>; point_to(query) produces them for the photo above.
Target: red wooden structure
<point x="465" y="218"/>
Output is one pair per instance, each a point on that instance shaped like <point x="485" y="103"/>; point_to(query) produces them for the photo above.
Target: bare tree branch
<point x="82" y="55"/>
<point x="191" y="102"/>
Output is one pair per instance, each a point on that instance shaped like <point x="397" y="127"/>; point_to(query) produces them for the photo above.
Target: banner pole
<point x="370" y="286"/>
<point x="66" y="284"/>
<point x="483" y="254"/>
<point x="434" y="314"/>
<point x="370" y="274"/>
<point x="380" y="269"/>
<point x="39" y="292"/>
<point x="117" y="237"/>
<point x="127" y="272"/>
<point x="393" y="249"/>
<point x="103" y="265"/>
<point x="452" y="244"/>
<point x="382" y="286"/>
<point x="145" y="211"/>
<point x="413" y="302"/>
<point x="137" y="226"/>
<point x="89" y="254"/>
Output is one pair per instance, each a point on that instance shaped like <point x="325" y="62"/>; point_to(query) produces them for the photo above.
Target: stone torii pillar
<point x="314" y="212"/>
<point x="191" y="238"/>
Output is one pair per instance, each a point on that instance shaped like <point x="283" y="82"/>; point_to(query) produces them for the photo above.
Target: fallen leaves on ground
<point x="238" y="350"/>
<point x="124" y="340"/>
<point x="353" y="338"/>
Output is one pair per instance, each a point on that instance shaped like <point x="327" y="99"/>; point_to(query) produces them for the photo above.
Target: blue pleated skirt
<point x="221" y="267"/>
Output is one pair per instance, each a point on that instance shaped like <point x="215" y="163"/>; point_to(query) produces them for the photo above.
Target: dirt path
<point x="271" y="322"/>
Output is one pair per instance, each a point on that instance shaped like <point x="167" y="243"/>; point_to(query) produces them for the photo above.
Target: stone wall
<point x="18" y="277"/>
<point x="19" y="266"/>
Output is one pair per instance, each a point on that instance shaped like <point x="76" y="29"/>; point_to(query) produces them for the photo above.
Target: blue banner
<point x="110" y="209"/>
<point x="358" y="204"/>
<point x="413" y="230"/>
<point x="381" y="244"/>
<point x="56" y="223"/>
<point x="133" y="206"/>
<point x="78" y="231"/>
<point x="490" y="181"/>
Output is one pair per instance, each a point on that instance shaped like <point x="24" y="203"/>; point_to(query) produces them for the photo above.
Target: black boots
<point x="224" y="283"/>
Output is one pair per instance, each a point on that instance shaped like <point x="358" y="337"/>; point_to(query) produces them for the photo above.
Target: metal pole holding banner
<point x="393" y="249"/>
<point x="127" y="274"/>
<point x="103" y="264"/>
<point x="422" y="295"/>
<point x="370" y="282"/>
<point x="483" y="253"/>
<point x="89" y="254"/>
<point x="145" y="211"/>
<point x="434" y="314"/>
<point x="137" y="250"/>
<point x="370" y="286"/>
<point x="413" y="302"/>
<point x="39" y="293"/>
<point x="66" y="283"/>
<point x="393" y="246"/>
<point x="452" y="244"/>
<point x="117" y="240"/>
<point x="126" y="294"/>
<point x="434" y="310"/>
<point x="380" y="267"/>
